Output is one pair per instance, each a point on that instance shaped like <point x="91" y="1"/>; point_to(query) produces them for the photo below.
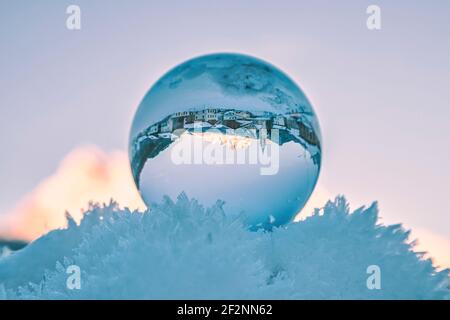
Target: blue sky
<point x="382" y="97"/>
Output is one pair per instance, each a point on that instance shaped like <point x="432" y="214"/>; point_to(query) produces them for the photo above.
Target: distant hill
<point x="12" y="244"/>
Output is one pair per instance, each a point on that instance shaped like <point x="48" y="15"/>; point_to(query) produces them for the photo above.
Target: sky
<point x="381" y="96"/>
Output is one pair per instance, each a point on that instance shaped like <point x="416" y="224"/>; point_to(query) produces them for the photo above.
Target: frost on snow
<point x="180" y="250"/>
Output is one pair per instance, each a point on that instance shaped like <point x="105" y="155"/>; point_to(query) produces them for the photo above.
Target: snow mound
<point x="181" y="250"/>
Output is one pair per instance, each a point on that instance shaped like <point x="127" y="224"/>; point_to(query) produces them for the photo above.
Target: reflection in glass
<point x="228" y="127"/>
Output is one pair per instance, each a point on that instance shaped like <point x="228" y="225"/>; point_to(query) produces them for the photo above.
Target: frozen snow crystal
<point x="180" y="250"/>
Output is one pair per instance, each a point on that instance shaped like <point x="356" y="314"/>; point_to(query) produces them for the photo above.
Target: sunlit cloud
<point x="437" y="246"/>
<point x="85" y="175"/>
<point x="318" y="199"/>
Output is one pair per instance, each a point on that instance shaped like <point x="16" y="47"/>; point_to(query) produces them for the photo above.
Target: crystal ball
<point x="228" y="129"/>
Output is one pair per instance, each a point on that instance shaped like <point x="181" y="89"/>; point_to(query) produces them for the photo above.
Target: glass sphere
<point x="228" y="127"/>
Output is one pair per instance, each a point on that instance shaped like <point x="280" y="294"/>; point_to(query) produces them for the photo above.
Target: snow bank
<point x="180" y="250"/>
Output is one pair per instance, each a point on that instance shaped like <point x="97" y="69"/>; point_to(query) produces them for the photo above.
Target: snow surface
<point x="180" y="250"/>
